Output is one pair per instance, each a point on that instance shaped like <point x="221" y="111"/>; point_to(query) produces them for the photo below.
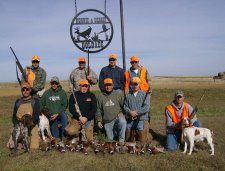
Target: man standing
<point x="55" y="100"/>
<point x="87" y="105"/>
<point x="174" y="112"/>
<point x="109" y="111"/>
<point x="137" y="71"/>
<point x="36" y="77"/>
<point x="114" y="72"/>
<point x="81" y="72"/>
<point x="136" y="107"/>
<point x="27" y="105"/>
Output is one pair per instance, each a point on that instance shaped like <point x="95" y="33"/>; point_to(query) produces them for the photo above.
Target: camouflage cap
<point x="55" y="78"/>
<point x="179" y="93"/>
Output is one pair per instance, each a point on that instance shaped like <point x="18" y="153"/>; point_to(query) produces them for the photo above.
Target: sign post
<point x="122" y="35"/>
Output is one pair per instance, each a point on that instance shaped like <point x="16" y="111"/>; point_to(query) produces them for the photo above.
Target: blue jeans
<point x="55" y="130"/>
<point x="173" y="139"/>
<point x="136" y="125"/>
<point x="120" y="128"/>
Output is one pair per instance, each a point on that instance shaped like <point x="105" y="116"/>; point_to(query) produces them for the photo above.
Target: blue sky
<point x="171" y="37"/>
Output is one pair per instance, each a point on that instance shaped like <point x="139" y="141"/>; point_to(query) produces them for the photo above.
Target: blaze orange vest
<point x="143" y="81"/>
<point x="30" y="76"/>
<point x="175" y="117"/>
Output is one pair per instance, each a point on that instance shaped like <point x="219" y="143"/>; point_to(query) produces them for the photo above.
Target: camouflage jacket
<point x="40" y="78"/>
<point x="77" y="74"/>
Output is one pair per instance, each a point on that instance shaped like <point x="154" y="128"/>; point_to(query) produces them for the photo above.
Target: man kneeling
<point x="84" y="113"/>
<point x="137" y="106"/>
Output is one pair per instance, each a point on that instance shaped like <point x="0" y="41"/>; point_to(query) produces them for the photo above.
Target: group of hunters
<point x="121" y="108"/>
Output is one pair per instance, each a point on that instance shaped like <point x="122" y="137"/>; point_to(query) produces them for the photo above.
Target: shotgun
<point x="20" y="68"/>
<point x="83" y="138"/>
<point x="193" y="113"/>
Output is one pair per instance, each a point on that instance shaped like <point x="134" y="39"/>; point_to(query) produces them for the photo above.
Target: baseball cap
<point x="112" y="56"/>
<point x="36" y="58"/>
<point x="25" y="85"/>
<point x="134" y="59"/>
<point x="135" y="80"/>
<point x="179" y="93"/>
<point x="83" y="82"/>
<point x="81" y="59"/>
<point x="108" y="81"/>
<point x="55" y="79"/>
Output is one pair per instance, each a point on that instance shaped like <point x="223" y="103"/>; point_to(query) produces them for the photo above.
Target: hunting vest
<point x="24" y="107"/>
<point x="175" y="117"/>
<point x="143" y="82"/>
<point x="30" y="76"/>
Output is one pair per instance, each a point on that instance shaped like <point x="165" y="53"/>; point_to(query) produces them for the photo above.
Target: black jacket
<point x="87" y="104"/>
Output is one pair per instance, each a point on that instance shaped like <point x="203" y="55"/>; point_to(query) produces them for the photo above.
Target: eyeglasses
<point x="179" y="97"/>
<point x="134" y="62"/>
<point x="82" y="62"/>
<point x="25" y="89"/>
<point x="35" y="61"/>
<point x="54" y="83"/>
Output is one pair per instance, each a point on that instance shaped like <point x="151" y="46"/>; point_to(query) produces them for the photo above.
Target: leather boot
<point x="127" y="135"/>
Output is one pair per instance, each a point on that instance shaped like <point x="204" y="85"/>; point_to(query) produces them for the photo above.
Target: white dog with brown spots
<point x="192" y="134"/>
<point x="44" y="125"/>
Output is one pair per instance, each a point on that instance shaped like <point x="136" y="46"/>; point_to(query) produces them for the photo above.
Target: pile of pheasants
<point x="101" y="147"/>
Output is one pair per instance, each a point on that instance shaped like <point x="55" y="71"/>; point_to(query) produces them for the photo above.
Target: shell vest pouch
<point x="25" y="108"/>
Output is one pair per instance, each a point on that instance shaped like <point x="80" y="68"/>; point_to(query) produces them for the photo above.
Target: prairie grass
<point x="211" y="113"/>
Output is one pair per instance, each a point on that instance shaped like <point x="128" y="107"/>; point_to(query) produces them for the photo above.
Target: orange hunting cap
<point x="25" y="85"/>
<point x="135" y="80"/>
<point x="112" y="56"/>
<point x="134" y="59"/>
<point x="108" y="81"/>
<point x="83" y="82"/>
<point x="36" y="58"/>
<point x="81" y="59"/>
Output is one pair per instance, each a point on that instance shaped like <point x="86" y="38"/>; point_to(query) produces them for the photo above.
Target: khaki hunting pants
<point x="144" y="136"/>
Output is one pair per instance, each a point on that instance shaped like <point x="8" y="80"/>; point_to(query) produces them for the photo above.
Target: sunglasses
<point x="135" y="84"/>
<point x="84" y="85"/>
<point x="112" y="59"/>
<point x="82" y="62"/>
<point x="25" y="89"/>
<point x="133" y="62"/>
<point x="54" y="83"/>
<point x="179" y="97"/>
<point x="108" y="84"/>
<point x="35" y="61"/>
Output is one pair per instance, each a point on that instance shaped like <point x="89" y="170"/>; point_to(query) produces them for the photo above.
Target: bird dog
<point x="192" y="134"/>
<point x="44" y="125"/>
<point x="21" y="132"/>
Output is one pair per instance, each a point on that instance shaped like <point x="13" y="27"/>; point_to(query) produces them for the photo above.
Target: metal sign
<point x="91" y="30"/>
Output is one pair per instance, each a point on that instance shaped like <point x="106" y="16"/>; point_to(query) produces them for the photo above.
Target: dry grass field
<point x="211" y="113"/>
